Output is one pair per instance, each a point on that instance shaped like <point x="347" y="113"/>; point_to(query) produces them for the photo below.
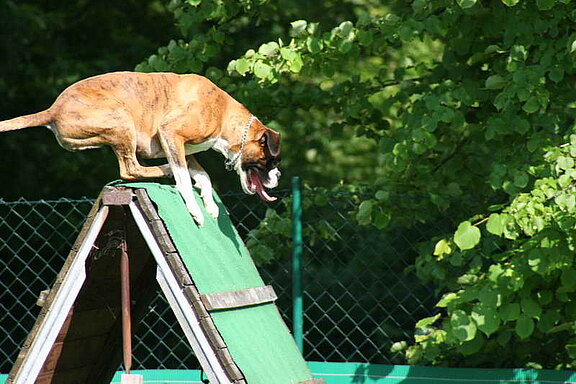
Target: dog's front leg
<point x="176" y="157"/>
<point x="203" y="183"/>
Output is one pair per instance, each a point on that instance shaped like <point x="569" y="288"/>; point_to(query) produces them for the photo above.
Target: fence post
<point x="297" y="244"/>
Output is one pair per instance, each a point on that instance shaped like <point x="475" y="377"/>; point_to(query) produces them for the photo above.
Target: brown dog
<point x="163" y="115"/>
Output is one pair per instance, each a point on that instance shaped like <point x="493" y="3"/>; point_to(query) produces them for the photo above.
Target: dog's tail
<point x="33" y="120"/>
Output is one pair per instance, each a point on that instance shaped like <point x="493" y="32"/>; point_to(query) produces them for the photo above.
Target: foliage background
<point x="466" y="104"/>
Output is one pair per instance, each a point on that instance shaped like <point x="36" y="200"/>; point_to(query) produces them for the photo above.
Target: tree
<point x="466" y="104"/>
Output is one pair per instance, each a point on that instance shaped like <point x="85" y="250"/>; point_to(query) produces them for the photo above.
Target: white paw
<point x="212" y="208"/>
<point x="196" y="213"/>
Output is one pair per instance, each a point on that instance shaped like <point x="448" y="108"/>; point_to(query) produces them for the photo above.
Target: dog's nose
<point x="273" y="162"/>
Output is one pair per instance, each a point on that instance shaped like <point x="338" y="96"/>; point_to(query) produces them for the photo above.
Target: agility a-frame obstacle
<point x="226" y="312"/>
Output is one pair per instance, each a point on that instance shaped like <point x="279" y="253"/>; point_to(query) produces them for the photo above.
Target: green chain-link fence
<point x="359" y="293"/>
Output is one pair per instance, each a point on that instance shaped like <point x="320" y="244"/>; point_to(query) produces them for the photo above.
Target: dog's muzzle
<point x="258" y="182"/>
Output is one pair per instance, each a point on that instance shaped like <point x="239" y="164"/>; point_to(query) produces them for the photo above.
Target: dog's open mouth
<point x="256" y="185"/>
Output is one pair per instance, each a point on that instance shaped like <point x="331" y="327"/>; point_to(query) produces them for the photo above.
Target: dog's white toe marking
<point x="193" y="208"/>
<point x="202" y="182"/>
<point x="212" y="209"/>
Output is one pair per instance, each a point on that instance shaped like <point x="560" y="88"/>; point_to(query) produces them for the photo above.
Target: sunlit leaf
<point x="463" y="327"/>
<point x="467" y="236"/>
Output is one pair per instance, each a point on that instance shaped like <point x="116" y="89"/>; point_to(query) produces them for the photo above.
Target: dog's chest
<point x="153" y="150"/>
<point x="195" y="148"/>
<point x="219" y="145"/>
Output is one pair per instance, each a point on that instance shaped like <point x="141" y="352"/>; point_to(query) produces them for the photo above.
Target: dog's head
<point x="258" y="165"/>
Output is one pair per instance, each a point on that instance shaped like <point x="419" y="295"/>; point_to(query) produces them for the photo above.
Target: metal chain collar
<point x="231" y="163"/>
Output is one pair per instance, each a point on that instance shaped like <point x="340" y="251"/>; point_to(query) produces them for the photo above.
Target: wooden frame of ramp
<point x="77" y="336"/>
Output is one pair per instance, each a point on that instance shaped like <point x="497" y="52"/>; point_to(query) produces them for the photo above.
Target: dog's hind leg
<point x="176" y="156"/>
<point x="203" y="183"/>
<point x="130" y="168"/>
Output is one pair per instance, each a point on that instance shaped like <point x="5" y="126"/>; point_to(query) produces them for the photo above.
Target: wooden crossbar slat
<point x="240" y="298"/>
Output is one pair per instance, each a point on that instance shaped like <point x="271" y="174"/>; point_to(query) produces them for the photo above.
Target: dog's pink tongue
<point x="257" y="185"/>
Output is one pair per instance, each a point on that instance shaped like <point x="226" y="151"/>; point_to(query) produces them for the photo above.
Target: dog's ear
<point x="272" y="140"/>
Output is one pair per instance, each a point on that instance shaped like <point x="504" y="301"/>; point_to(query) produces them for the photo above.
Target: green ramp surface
<point x="218" y="261"/>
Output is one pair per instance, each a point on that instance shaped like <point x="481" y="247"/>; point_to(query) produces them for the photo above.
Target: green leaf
<point x="298" y="27"/>
<point x="269" y="49"/>
<point x="214" y="73"/>
<point x="524" y="326"/>
<point x="381" y="219"/>
<point x="466" y="3"/>
<point x="262" y="70"/>
<point x="427" y="321"/>
<point x="510" y="3"/>
<point x="294" y="59"/>
<point x="496" y="224"/>
<point x="467" y="236"/>
<point x="562" y="327"/>
<point x="382" y="195"/>
<point x="447" y="299"/>
<point x="532" y="105"/>
<point x="288" y="54"/>
<point x="545" y="5"/>
<point x="473" y="346"/>
<point x="519" y="53"/>
<point x="399" y="346"/>
<point x="548" y="320"/>
<point x="522" y="126"/>
<point x="242" y="66"/>
<point x="157" y="63"/>
<point x="571" y="349"/>
<point x="262" y="253"/>
<point x="364" y="215"/>
<point x="556" y="74"/>
<point x="345" y="46"/>
<point x="463" y="327"/>
<point x="571" y="203"/>
<point x="442" y="247"/>
<point x="494" y="272"/>
<point x="314" y="45"/>
<point x="565" y="162"/>
<point x="344" y="30"/>
<point x="486" y="318"/>
<point x="489" y="296"/>
<point x="530" y="307"/>
<point x="564" y="181"/>
<point x="545" y="297"/>
<point x="495" y="82"/>
<point x="470" y="294"/>
<point x="296" y="64"/>
<point x="521" y="179"/>
<point x="311" y="28"/>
